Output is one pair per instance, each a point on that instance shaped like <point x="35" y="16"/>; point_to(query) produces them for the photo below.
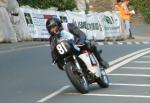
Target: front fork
<point x="78" y="66"/>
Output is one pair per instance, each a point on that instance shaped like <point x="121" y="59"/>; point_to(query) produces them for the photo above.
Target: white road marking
<point x="114" y="67"/>
<point x="100" y="43"/>
<point x="110" y="43"/>
<point x="146" y="57"/>
<point x="127" y="56"/>
<point x="133" y="85"/>
<point x="137" y="43"/>
<point x="137" y="68"/>
<point x="21" y="48"/>
<point x="119" y="43"/>
<point x="112" y="95"/>
<point x="122" y="84"/>
<point x="53" y="94"/>
<point x="133" y="56"/>
<point x="129" y="43"/>
<point x="130" y="75"/>
<point x="146" y="62"/>
<point x="146" y="42"/>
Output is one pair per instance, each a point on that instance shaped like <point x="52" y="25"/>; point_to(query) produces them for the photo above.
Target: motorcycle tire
<point x="103" y="80"/>
<point x="78" y="81"/>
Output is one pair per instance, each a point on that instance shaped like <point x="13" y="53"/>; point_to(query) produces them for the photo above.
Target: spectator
<point x="122" y="7"/>
<point x="118" y="4"/>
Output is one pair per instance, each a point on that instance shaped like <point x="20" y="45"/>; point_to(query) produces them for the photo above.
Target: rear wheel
<point x="103" y="80"/>
<point x="77" y="79"/>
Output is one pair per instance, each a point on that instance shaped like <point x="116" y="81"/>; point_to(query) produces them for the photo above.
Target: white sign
<point x="110" y="23"/>
<point x="94" y="27"/>
<point x="89" y="24"/>
<point x="36" y="22"/>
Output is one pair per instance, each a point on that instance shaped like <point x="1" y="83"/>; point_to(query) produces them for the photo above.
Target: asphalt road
<point x="27" y="76"/>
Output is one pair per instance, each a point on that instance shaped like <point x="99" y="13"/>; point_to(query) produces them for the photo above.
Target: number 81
<point x="61" y="48"/>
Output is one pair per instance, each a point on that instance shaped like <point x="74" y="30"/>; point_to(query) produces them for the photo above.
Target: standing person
<point x="122" y="7"/>
<point x="127" y="18"/>
<point x="117" y="5"/>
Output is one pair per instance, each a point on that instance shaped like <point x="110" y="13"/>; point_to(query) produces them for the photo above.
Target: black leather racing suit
<point x="79" y="38"/>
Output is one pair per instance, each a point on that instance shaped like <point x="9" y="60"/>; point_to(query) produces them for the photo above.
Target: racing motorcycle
<point x="81" y="67"/>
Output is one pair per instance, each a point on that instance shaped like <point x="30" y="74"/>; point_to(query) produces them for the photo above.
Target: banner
<point x="94" y="27"/>
<point x="64" y="19"/>
<point x="89" y="24"/>
<point x="36" y="22"/>
<point x="110" y="23"/>
<point x="79" y="19"/>
<point x="62" y="16"/>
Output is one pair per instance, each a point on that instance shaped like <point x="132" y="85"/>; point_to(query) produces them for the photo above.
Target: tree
<point x="44" y="4"/>
<point x="143" y="6"/>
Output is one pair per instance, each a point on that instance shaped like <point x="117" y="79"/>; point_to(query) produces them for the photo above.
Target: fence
<point x="30" y="24"/>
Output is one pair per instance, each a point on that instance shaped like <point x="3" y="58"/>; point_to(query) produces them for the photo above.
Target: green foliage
<point x="44" y="4"/>
<point x="143" y="6"/>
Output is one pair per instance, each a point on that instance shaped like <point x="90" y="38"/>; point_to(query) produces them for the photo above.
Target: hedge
<point x="44" y="4"/>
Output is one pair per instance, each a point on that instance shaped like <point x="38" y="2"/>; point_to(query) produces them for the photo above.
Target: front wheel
<point x="103" y="80"/>
<point x="77" y="79"/>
